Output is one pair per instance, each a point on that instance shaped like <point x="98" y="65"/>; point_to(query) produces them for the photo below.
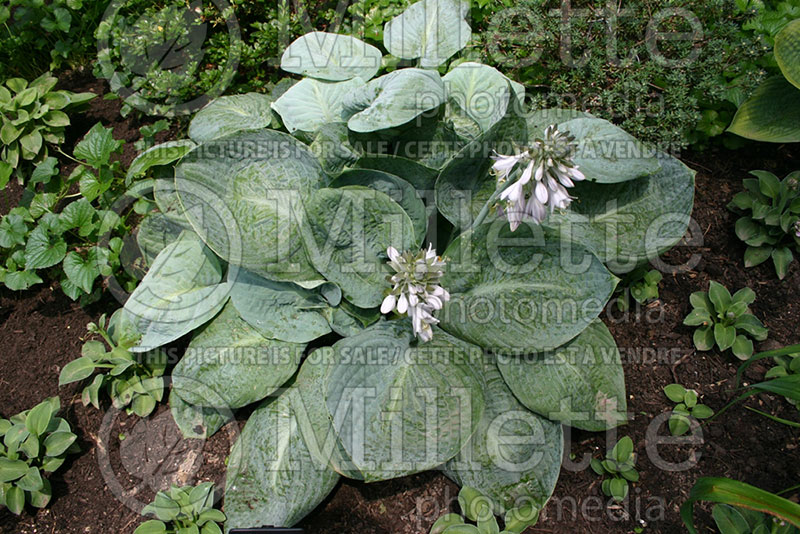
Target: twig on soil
<point x="677" y="363"/>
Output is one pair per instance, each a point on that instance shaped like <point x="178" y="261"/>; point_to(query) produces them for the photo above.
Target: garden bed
<point x="42" y="330"/>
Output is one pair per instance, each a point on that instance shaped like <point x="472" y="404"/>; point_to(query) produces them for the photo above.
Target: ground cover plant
<point x="339" y="264"/>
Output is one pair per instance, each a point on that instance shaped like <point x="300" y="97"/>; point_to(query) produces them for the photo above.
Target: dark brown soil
<point x="41" y="331"/>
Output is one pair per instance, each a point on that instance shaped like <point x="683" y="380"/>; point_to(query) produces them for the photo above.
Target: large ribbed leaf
<point x="229" y="364"/>
<point x="521" y="291"/>
<point x="242" y="195"/>
<point x="393" y="99"/>
<point x="396" y="188"/>
<point x="607" y="153"/>
<point x="580" y="384"/>
<point x="515" y="455"/>
<point x="418" y="175"/>
<point x="480" y="91"/>
<point x="432" y="30"/>
<point x="197" y="422"/>
<point x="771" y="115"/>
<point x="180" y="292"/>
<point x="311" y="104"/>
<point x="230" y="114"/>
<point x="272" y="478"/>
<point x="331" y="57"/>
<point x="278" y="310"/>
<point x="400" y="407"/>
<point x="628" y="223"/>
<point x="787" y="52"/>
<point x="351" y="228"/>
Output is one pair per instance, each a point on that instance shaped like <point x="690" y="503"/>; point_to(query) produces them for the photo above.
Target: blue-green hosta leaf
<point x="480" y="91"/>
<point x="396" y="188"/>
<point x="229" y="114"/>
<point x="272" y="478"/>
<point x="393" y="100"/>
<point x="331" y="57"/>
<point x="311" y="104"/>
<point x="278" y="310"/>
<point x="197" y="422"/>
<point x="580" y="384"/>
<point x="242" y="195"/>
<point x="541" y="119"/>
<point x="515" y="455"/>
<point x="180" y="292"/>
<point x="787" y="52"/>
<point x="229" y="364"/>
<point x="771" y="115"/>
<point x="418" y="175"/>
<point x="432" y="30"/>
<point x="155" y="232"/>
<point x="609" y="154"/>
<point x="400" y="407"/>
<point x="521" y="291"/>
<point x="350" y="230"/>
<point x="97" y="146"/>
<point x="162" y="154"/>
<point x="628" y="223"/>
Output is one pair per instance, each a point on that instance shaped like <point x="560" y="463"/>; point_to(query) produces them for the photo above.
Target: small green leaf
<point x="768" y="183"/>
<point x="43" y="249"/>
<point x="39" y="418"/>
<point x="597" y="466"/>
<point x="623" y="449"/>
<point x="704" y="338"/>
<point x="690" y="398"/>
<point x="700" y="300"/>
<point x="678" y="424"/>
<point x="745" y="295"/>
<point x="152" y="526"/>
<point x="701" y="411"/>
<point x="619" y="489"/>
<point x="675" y="392"/>
<point x="97" y="146"/>
<point x="11" y="470"/>
<point x="57" y="443"/>
<point x="76" y="370"/>
<point x="719" y="296"/>
<point x="742" y="348"/>
<point x="782" y="257"/>
<point x="31" y="142"/>
<point x="15" y="500"/>
<point x="446" y="521"/>
<point x="32" y="481"/>
<point x="40" y="499"/>
<point x="724" y="336"/>
<point x="698" y="317"/>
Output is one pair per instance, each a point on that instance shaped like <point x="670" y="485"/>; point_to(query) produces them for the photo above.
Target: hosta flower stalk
<point x="547" y="170"/>
<point x="415" y="288"/>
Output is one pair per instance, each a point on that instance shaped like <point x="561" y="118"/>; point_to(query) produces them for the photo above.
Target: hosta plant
<point x="787" y="365"/>
<point x="33" y="442"/>
<point x="186" y="510"/>
<point x="133" y="381"/>
<point x="770" y="222"/>
<point x="32" y="115"/>
<point x="477" y="508"/>
<point x="686" y="406"/>
<point x="724" y="320"/>
<point x="641" y="284"/>
<point x="618" y="469"/>
<point x="739" y="520"/>
<point x="406" y="272"/>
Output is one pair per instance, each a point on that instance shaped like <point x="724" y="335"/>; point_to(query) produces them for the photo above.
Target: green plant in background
<point x="770" y="210"/>
<point x="686" y="407"/>
<point x="749" y="502"/>
<point x="38" y="36"/>
<point x="33" y="442"/>
<point x="132" y="381"/>
<point x="787" y="365"/>
<point x="186" y="510"/>
<point x="618" y="469"/>
<point x="148" y="134"/>
<point x="32" y="115"/>
<point x="641" y="284"/>
<point x="477" y="507"/>
<point x="772" y="113"/>
<point x="725" y="320"/>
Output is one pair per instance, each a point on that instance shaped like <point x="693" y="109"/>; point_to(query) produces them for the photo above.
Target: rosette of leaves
<point x="770" y="210"/>
<point x="619" y="468"/>
<point x="276" y="265"/>
<point x="33" y="442"/>
<point x="477" y="508"/>
<point x="641" y="284"/>
<point x="32" y="115"/>
<point x="133" y="381"/>
<point x="186" y="510"/>
<point x="772" y="113"/>
<point x="686" y="407"/>
<point x="724" y="320"/>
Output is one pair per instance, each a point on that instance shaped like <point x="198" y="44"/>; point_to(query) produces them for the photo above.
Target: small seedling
<point x="686" y="399"/>
<point x="478" y="509"/>
<point x="619" y="466"/>
<point x="641" y="284"/>
<point x="33" y="442"/>
<point x="187" y="510"/>
<point x="721" y="317"/>
<point x="132" y="381"/>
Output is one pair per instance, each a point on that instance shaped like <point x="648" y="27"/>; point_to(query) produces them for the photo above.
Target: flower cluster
<point x="797" y="229"/>
<point x="549" y="171"/>
<point x="416" y="290"/>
